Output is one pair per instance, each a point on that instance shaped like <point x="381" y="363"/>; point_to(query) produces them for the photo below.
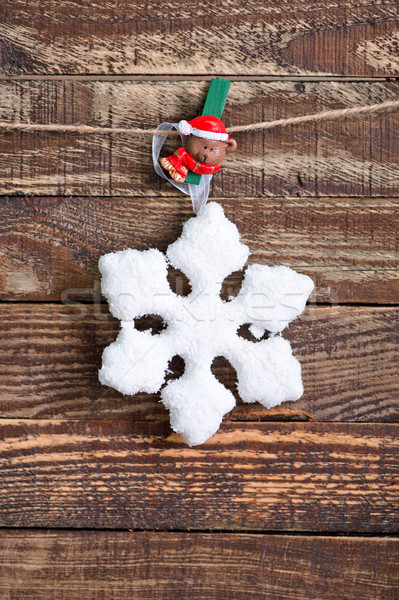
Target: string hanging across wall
<point x="327" y="115"/>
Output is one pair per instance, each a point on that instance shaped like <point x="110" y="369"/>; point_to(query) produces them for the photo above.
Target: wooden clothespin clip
<point x="214" y="105"/>
<point x="207" y="141"/>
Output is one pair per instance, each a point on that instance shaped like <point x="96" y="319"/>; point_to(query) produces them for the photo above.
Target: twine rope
<point x="326" y="115"/>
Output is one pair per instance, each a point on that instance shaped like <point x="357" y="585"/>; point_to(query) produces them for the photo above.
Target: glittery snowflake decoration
<point x="201" y="326"/>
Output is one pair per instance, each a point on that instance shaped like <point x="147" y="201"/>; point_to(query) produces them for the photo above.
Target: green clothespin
<point x="214" y="105"/>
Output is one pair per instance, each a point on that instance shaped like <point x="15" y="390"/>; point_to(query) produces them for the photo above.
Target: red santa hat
<point x="207" y="126"/>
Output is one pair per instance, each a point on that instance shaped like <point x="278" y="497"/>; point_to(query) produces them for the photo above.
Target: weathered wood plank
<point x="49" y="247"/>
<point x="43" y="565"/>
<point x="50" y="355"/>
<point x="225" y="37"/>
<point x="346" y="158"/>
<point x="332" y="477"/>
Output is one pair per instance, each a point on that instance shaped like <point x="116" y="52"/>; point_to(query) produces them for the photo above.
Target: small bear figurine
<point x="205" y="148"/>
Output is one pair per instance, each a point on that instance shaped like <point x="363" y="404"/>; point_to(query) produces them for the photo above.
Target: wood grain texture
<point x="50" y="246"/>
<point x="224" y="37"/>
<point x="44" y="565"/>
<point x="354" y="157"/>
<point x="50" y="355"/>
<point x="250" y="476"/>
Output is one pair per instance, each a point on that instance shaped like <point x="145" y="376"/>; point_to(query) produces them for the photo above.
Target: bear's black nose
<point x="205" y="157"/>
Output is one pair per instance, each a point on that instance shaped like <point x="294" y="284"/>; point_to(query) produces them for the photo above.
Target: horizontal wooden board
<point x="49" y="246"/>
<point x="223" y="37"/>
<point x="43" y="565"/>
<point x="333" y="477"/>
<point x="50" y="355"/>
<point x="354" y="157"/>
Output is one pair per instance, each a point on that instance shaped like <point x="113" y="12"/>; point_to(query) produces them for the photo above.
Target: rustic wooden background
<point x="99" y="499"/>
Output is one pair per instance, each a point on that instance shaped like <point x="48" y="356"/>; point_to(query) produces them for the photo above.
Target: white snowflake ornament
<point x="201" y="325"/>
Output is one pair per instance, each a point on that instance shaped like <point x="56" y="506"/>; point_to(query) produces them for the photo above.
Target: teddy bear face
<point x="210" y="152"/>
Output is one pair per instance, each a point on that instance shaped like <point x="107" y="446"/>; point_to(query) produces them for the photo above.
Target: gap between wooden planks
<point x="71" y="565"/>
<point x="200" y="77"/>
<point x="335" y="477"/>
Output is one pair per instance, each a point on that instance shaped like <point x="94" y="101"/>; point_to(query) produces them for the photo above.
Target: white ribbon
<point x="199" y="193"/>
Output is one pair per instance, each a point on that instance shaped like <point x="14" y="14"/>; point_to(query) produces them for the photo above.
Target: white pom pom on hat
<point x="184" y="127"/>
<point x="206" y="126"/>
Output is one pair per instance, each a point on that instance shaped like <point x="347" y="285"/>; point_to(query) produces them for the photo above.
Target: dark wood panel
<point x="49" y="247"/>
<point x="50" y="356"/>
<point x="43" y="565"/>
<point x="250" y="476"/>
<point x="345" y="158"/>
<point x="175" y="37"/>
